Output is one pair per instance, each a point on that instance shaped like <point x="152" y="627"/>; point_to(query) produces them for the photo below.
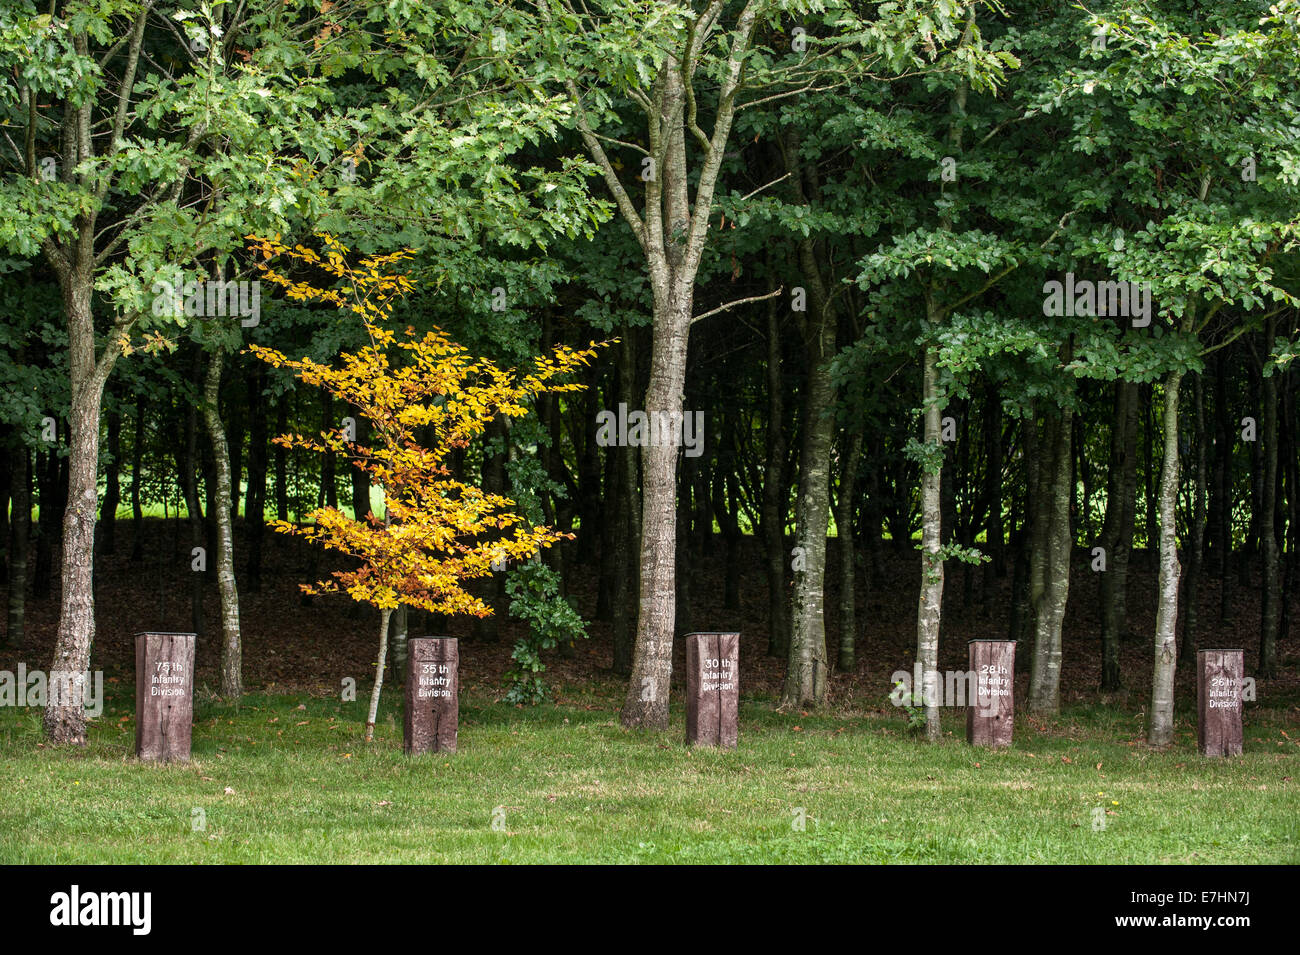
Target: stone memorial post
<point x="164" y="696"/>
<point x="990" y="712"/>
<point x="432" y="695"/>
<point x="712" y="689"/>
<point x="1218" y="701"/>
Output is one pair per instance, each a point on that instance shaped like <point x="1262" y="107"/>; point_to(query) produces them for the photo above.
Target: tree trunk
<point x="1161" y="730"/>
<point x="232" y="680"/>
<point x="1192" y="585"/>
<point x="646" y="705"/>
<point x="373" y="713"/>
<point x="672" y="268"/>
<point x="1056" y="492"/>
<point x="65" y="719"/>
<point x="930" y="605"/>
<point x="805" y="675"/>
<point x="1149" y="476"/>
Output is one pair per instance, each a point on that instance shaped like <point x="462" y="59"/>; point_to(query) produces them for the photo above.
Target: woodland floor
<point x="285" y="777"/>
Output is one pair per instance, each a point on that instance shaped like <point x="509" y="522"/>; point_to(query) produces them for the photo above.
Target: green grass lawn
<point x="277" y="782"/>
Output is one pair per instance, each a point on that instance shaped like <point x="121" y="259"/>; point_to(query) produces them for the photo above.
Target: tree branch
<point x="739" y="301"/>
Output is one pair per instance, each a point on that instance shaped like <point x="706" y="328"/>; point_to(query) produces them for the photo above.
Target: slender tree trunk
<point x="1056" y="492"/>
<point x="1037" y="540"/>
<point x="1161" y="730"/>
<point x="1022" y="537"/>
<point x="1192" y="585"/>
<point x="372" y="714"/>
<point x="930" y="605"/>
<point x="806" y="670"/>
<point x="1149" y="477"/>
<point x="232" y="680"/>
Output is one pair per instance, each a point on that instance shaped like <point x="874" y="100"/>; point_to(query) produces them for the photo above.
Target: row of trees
<point x="833" y="228"/>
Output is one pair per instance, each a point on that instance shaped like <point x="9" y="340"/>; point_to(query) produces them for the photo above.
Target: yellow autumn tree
<point x="437" y="532"/>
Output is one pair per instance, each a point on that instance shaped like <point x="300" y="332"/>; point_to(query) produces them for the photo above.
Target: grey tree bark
<point x="373" y="712"/>
<point x="1196" y="564"/>
<point x="1160" y="731"/>
<point x="232" y="663"/>
<point x="930" y="604"/>
<point x="1055" y="494"/>
<point x="847" y="549"/>
<point x="806" y="670"/>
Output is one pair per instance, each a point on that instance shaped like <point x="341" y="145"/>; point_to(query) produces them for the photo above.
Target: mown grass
<point x="273" y="781"/>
